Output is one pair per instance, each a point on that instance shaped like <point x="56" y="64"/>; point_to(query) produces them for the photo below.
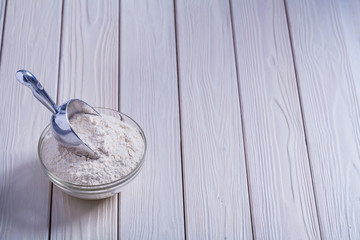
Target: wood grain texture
<point x="325" y="38"/>
<point x="282" y="196"/>
<point x="89" y="71"/>
<point x="31" y="41"/>
<point x="350" y="22"/>
<point x="89" y="56"/>
<point x="151" y="207"/>
<point x="215" y="182"/>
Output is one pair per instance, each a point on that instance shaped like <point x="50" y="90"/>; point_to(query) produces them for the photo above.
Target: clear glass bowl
<point x="95" y="191"/>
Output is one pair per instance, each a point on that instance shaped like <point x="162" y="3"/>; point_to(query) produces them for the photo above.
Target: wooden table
<point x="251" y="111"/>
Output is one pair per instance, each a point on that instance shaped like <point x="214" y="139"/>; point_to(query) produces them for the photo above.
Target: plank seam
<point x="118" y="107"/>
<point x="302" y="113"/>
<point x="60" y="49"/>
<point x="57" y="101"/>
<point x="119" y="58"/>
<point x="50" y="208"/>
<point x="118" y="216"/>
<point x="241" y="118"/>
<point x="3" y="30"/>
<point x="180" y="119"/>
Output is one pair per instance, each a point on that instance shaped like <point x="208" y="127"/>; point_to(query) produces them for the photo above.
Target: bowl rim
<point x="99" y="188"/>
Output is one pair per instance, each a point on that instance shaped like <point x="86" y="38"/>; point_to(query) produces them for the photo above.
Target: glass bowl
<point x="95" y="191"/>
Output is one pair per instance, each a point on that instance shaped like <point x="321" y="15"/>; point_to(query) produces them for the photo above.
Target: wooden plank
<point x="31" y="41"/>
<point x="325" y="38"/>
<point x="215" y="182"/>
<point x="89" y="71"/>
<point x="152" y="206"/>
<point x="282" y="196"/>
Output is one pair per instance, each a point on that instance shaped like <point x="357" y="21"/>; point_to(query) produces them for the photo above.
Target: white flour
<point x="119" y="145"/>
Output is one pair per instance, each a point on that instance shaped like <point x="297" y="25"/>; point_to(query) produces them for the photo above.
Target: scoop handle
<point x="28" y="79"/>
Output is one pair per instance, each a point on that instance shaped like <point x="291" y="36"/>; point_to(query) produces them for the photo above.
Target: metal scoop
<point x="60" y="124"/>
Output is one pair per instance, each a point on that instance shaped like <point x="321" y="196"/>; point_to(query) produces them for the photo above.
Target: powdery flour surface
<point x="119" y="145"/>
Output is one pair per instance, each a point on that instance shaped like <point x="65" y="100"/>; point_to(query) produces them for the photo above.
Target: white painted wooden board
<point x="282" y="196"/>
<point x="215" y="181"/>
<point x="151" y="207"/>
<point x="89" y="71"/>
<point x="31" y="41"/>
<point x="325" y="40"/>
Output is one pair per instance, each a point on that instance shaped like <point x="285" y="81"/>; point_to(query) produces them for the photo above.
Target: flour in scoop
<point x="120" y="146"/>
